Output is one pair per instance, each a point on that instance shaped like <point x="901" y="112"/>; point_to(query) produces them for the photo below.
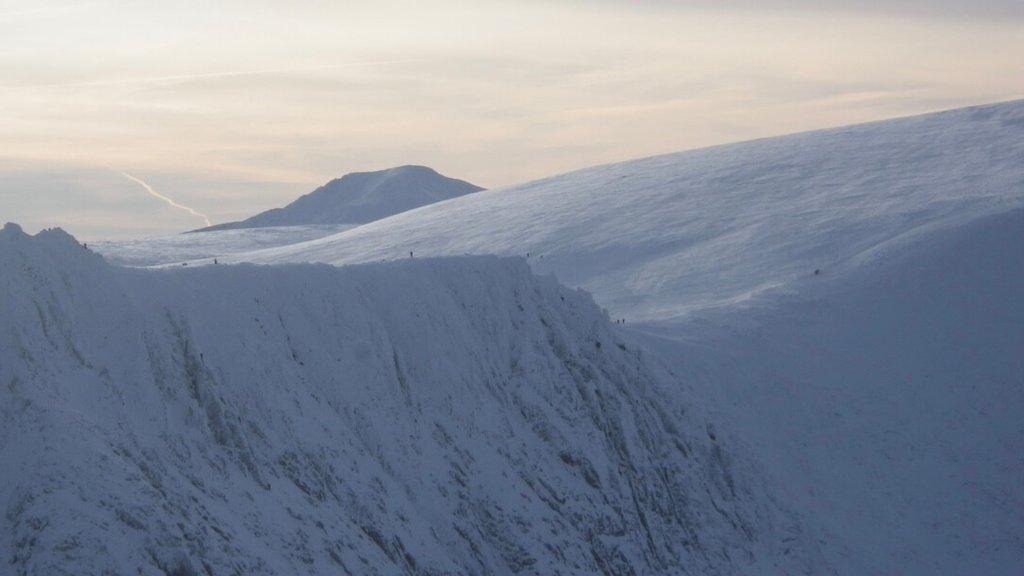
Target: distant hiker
<point x="817" y="271"/>
<point x="410" y="253"/>
<point x="85" y="245"/>
<point x="215" y="261"/>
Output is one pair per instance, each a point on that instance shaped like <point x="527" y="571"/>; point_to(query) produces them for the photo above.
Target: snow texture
<point x="451" y="416"/>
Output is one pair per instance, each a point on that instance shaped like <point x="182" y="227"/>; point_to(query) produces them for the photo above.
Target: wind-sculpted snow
<point x="663" y="236"/>
<point x="455" y="416"/>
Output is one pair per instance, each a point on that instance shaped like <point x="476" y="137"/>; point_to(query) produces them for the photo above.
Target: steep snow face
<point x="208" y="245"/>
<point x="432" y="416"/>
<point x="663" y="236"/>
<point x="891" y="401"/>
<point x="362" y="197"/>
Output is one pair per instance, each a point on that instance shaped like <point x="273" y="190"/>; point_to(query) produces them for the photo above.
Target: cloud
<point x="53" y="11"/>
<point x="205" y="75"/>
<point x="988" y="9"/>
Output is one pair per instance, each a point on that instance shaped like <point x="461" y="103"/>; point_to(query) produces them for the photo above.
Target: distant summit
<point x="361" y="197"/>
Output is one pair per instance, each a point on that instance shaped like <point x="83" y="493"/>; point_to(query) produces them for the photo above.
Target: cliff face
<point x="428" y="416"/>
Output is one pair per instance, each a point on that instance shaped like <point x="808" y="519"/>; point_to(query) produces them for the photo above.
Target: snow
<point x="888" y="402"/>
<point x="868" y="416"/>
<point x="362" y="197"/>
<point x="883" y="396"/>
<point x="337" y="206"/>
<point x="208" y="245"/>
<point x="663" y="236"/>
<point x="454" y="415"/>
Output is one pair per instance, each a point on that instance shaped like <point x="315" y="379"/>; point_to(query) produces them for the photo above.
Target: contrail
<point x="165" y="198"/>
<point x="202" y="75"/>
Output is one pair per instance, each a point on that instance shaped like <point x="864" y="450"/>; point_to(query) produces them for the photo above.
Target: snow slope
<point x="662" y="236"/>
<point x="208" y="245"/>
<point x="888" y="396"/>
<point x="361" y="197"/>
<point x="456" y="416"/>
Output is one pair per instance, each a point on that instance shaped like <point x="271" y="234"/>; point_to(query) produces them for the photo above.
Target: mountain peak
<point x="12" y="229"/>
<point x="396" y="171"/>
<point x="412" y="169"/>
<point x="362" y="197"/>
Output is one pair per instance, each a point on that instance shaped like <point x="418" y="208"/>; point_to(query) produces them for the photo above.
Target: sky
<point x="133" y="119"/>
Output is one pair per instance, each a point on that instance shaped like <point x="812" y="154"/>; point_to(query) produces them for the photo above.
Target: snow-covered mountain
<point x="658" y="237"/>
<point x="337" y="206"/>
<point x="361" y="197"/>
<point x="848" y="300"/>
<point x="453" y="416"/>
<point x="835" y="316"/>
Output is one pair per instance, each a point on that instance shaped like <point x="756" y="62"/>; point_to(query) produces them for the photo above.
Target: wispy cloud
<point x="205" y="75"/>
<point x="987" y="9"/>
<point x="165" y="198"/>
<point x="54" y="11"/>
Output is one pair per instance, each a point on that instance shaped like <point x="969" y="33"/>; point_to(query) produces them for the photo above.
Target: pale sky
<point x="234" y="107"/>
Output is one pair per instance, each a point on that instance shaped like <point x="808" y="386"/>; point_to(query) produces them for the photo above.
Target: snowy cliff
<point x="456" y="416"/>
